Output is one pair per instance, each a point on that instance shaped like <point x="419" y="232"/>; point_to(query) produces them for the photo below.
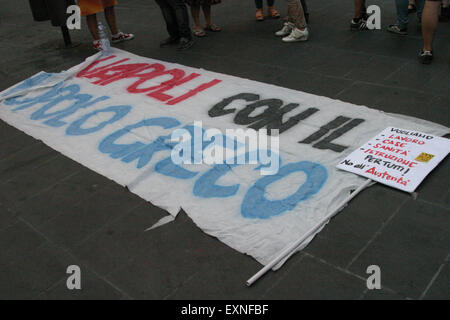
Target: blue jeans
<point x="402" y="11"/>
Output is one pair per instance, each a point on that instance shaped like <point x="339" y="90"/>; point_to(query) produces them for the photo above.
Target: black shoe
<point x="185" y="43"/>
<point x="168" y="42"/>
<point x="358" y="24"/>
<point x="426" y="57"/>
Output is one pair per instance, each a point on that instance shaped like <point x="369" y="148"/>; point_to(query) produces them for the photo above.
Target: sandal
<point x="412" y="8"/>
<point x="273" y="13"/>
<point x="199" y="32"/>
<point x="259" y="15"/>
<point x="212" y="27"/>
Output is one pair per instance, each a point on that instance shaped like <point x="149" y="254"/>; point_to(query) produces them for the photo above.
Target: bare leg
<point x="359" y="6"/>
<point x="110" y="16"/>
<point x="92" y="25"/>
<point x="429" y="23"/>
<point x="195" y="12"/>
<point x="207" y="13"/>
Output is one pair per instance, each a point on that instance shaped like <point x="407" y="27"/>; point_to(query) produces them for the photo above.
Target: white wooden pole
<point x="289" y="250"/>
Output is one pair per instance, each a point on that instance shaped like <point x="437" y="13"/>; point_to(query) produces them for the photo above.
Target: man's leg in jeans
<point x="170" y="18"/>
<point x="182" y="17"/>
<point x="402" y="13"/>
<point x="420" y="5"/>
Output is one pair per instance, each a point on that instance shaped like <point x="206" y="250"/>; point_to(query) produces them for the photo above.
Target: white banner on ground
<point x="397" y="157"/>
<point x="116" y="117"/>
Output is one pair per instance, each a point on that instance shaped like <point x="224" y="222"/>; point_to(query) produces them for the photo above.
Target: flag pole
<point x="289" y="250"/>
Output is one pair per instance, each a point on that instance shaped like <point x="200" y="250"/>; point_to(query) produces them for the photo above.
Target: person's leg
<point x="182" y="17"/>
<point x="182" y="20"/>
<point x="419" y="5"/>
<point x="429" y="23"/>
<point x="359" y="6"/>
<point x="272" y="12"/>
<point x="116" y="35"/>
<point x="209" y="24"/>
<point x="296" y="22"/>
<point x="92" y="25"/>
<point x="259" y="10"/>
<point x="169" y="17"/>
<point x="296" y="14"/>
<point x="402" y="13"/>
<point x="401" y="25"/>
<point x="110" y="17"/>
<point x="207" y="13"/>
<point x="195" y="13"/>
<point x="359" y="21"/>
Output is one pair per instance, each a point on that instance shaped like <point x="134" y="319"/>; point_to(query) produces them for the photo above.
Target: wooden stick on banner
<point x="297" y="243"/>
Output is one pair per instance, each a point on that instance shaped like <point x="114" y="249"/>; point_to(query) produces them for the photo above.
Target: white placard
<point x="398" y="158"/>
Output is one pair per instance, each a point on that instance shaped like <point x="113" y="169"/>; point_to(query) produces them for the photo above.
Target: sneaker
<point x="297" y="35"/>
<point x="286" y="30"/>
<point x="185" y="43"/>
<point x="96" y="44"/>
<point x="168" y="42"/>
<point x="120" y="37"/>
<point x="359" y="24"/>
<point x="396" y="29"/>
<point x="426" y="56"/>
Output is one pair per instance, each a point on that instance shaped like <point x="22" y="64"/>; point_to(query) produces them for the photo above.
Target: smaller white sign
<point x="398" y="158"/>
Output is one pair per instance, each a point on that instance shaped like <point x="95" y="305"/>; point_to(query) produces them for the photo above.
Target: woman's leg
<point x="209" y="24"/>
<point x="92" y="25"/>
<point x="195" y="12"/>
<point x="259" y="11"/>
<point x="359" y="6"/>
<point x="207" y="13"/>
<point x="110" y="16"/>
<point x="429" y="23"/>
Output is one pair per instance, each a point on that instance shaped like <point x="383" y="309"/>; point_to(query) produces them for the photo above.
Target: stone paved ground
<point x="48" y="219"/>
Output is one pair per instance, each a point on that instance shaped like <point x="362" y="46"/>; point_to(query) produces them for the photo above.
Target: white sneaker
<point x="287" y="29"/>
<point x="297" y="35"/>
